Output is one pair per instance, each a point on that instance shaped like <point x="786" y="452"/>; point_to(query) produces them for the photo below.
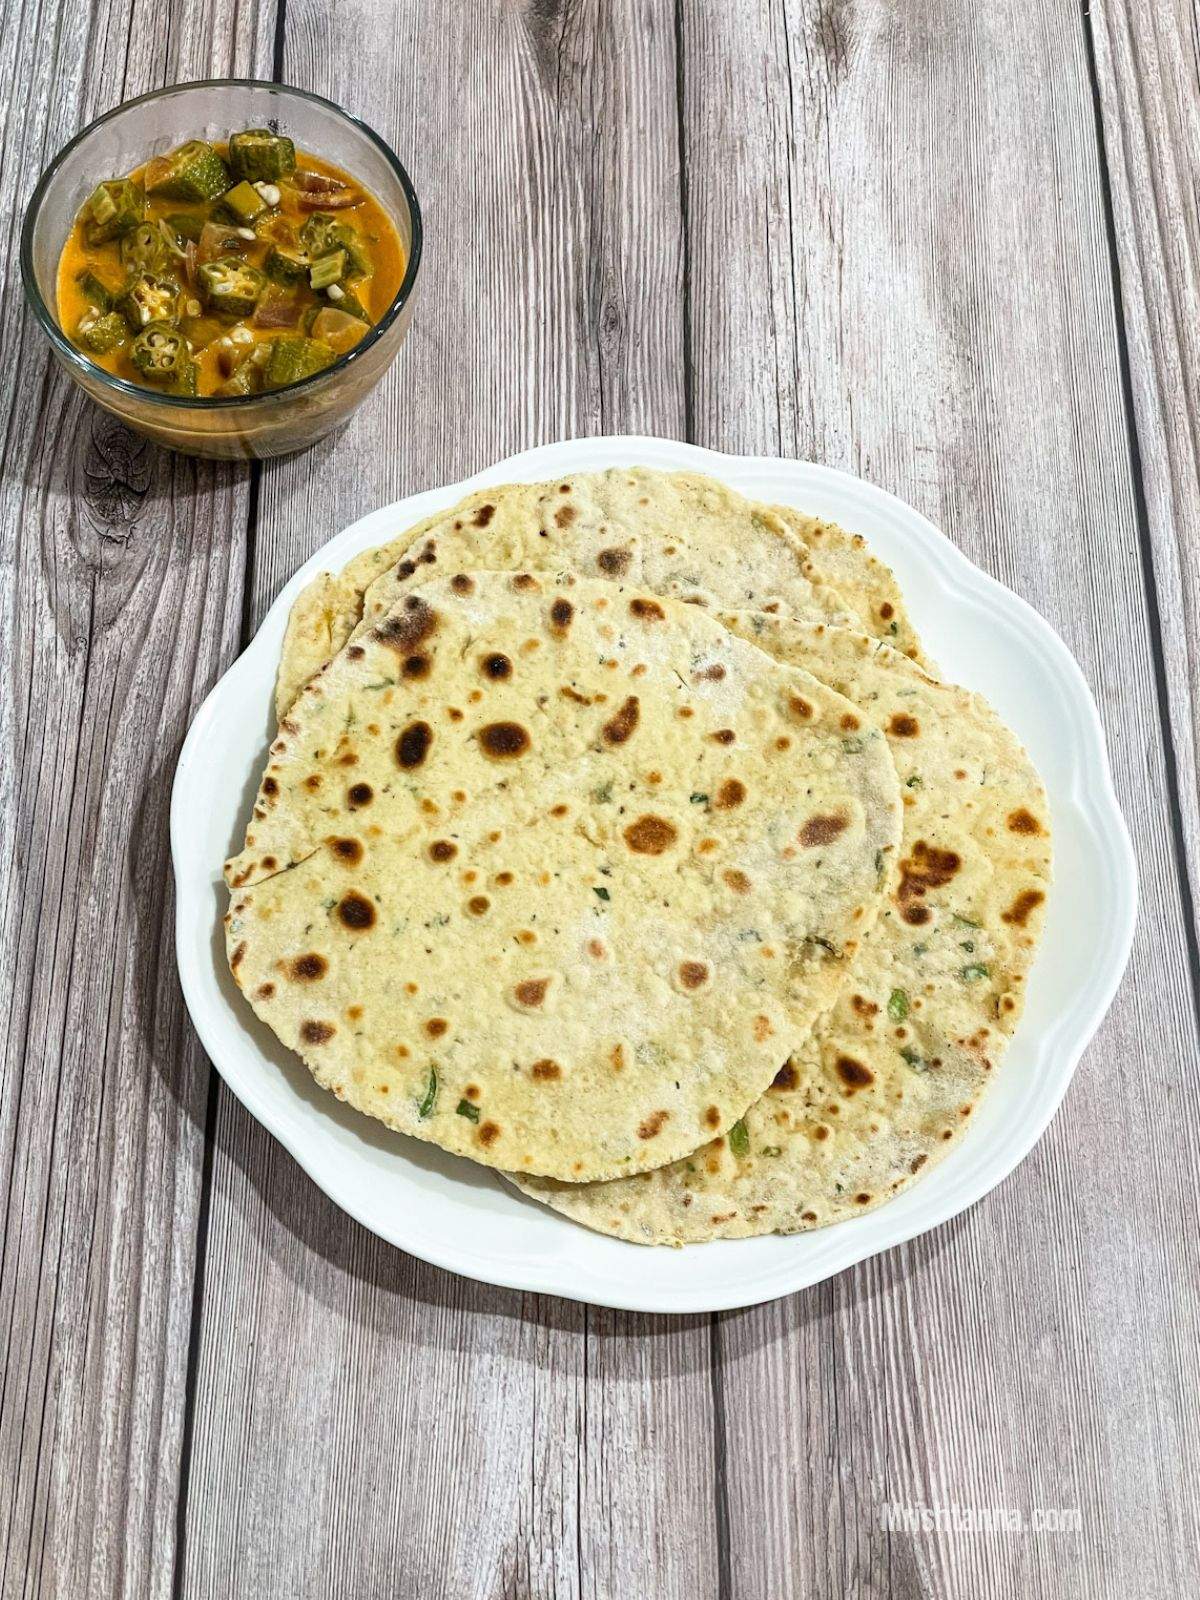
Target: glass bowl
<point x="248" y="426"/>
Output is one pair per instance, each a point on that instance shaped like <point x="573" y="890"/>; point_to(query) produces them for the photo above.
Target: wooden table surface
<point x="952" y="247"/>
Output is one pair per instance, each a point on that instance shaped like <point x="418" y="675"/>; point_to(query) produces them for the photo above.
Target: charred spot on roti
<point x="435" y="1027"/>
<point x="531" y="992"/>
<point x="653" y="1125"/>
<point x="546" y="1070"/>
<point x="731" y="793"/>
<point x="646" y="610"/>
<point x="405" y="569"/>
<point x="356" y="912"/>
<point x="484" y="515"/>
<point x="413" y="745"/>
<point x="496" y="666"/>
<point x="902" y="726"/>
<point x="354" y="653"/>
<point x="347" y="850"/>
<point x="461" y="583"/>
<point x="478" y="904"/>
<point x="265" y="991"/>
<point x="503" y="741"/>
<point x="561" y="613"/>
<point x="565" y="516"/>
<point x="307" y="968"/>
<point x="927" y="868"/>
<point x="1023" y="907"/>
<point x="800" y="707"/>
<point x="313" y="782"/>
<point x="621" y="725"/>
<point x="887" y="611"/>
<point x="786" y="1077"/>
<point x="736" y="880"/>
<point x="442" y="850"/>
<point x="409" y="627"/>
<point x="236" y="958"/>
<point x="1023" y="821"/>
<point x="850" y="723"/>
<point x="614" y="562"/>
<point x="710" y="674"/>
<point x="270" y="787"/>
<point x="762" y="1028"/>
<point x="313" y="1032"/>
<point x="853" y="1073"/>
<point x="692" y="974"/>
<point x="650" y="835"/>
<point x="488" y="1133"/>
<point x="820" y="830"/>
<point x="525" y="581"/>
<point x="712" y="1117"/>
<point x="416" y="666"/>
<point x="359" y="795"/>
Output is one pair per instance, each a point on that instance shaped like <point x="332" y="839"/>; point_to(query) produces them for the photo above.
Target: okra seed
<point x="269" y="193"/>
<point x="336" y="292"/>
<point x="246" y="233"/>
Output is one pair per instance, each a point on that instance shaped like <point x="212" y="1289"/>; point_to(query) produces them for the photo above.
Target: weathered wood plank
<point x="360" y="1415"/>
<point x="1149" y="93"/>
<point x="899" y="265"/>
<point x="120" y="604"/>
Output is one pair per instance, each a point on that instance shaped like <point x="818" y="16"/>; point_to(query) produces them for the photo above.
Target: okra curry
<point x="227" y="269"/>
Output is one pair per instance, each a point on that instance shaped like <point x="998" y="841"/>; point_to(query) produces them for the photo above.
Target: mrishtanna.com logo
<point x="915" y="1517"/>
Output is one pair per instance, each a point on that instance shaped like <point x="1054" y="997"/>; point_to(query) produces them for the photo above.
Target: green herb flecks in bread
<point x="890" y="1079"/>
<point x="556" y="873"/>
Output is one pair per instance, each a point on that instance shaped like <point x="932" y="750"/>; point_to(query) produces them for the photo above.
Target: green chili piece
<point x="426" y="1105"/>
<point x="260" y="155"/>
<point x="117" y="205"/>
<point x="601" y="892"/>
<point x="192" y="172"/>
<point x="231" y="287"/>
<point x="739" y="1139"/>
<point x="466" y="1109"/>
<point x="327" y="270"/>
<point x="101" y="331"/>
<point x="244" y="204"/>
<point x="898" y="1005"/>
<point x="974" y="971"/>
<point x="914" y="1058"/>
<point x="150" y="299"/>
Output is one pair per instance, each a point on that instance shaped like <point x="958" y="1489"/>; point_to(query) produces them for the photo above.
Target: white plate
<point x="462" y="1216"/>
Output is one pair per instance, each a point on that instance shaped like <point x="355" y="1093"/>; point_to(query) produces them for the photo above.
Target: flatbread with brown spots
<point x="554" y="873"/>
<point x="889" y="1079"/>
<point x="680" y="533"/>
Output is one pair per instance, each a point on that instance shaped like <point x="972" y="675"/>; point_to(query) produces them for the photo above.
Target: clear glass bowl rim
<point x="76" y="359"/>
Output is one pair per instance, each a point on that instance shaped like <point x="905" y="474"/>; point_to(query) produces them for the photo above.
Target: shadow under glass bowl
<point x="248" y="426"/>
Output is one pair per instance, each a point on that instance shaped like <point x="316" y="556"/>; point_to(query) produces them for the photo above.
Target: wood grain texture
<point x="121" y="600"/>
<point x="1147" y="72"/>
<point x="481" y="1443"/>
<point x="900" y="266"/>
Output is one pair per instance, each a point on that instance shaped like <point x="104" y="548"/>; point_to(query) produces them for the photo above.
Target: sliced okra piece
<point x="287" y="266"/>
<point x="146" y="248"/>
<point x="148" y="299"/>
<point x="294" y="359"/>
<point x="185" y="225"/>
<point x="160" y="353"/>
<point x="187" y="380"/>
<point x="231" y="287"/>
<point x="96" y="293"/>
<point x="361" y="264"/>
<point x="114" y="207"/>
<point x="192" y="172"/>
<point x="101" y="331"/>
<point x="327" y="270"/>
<point x="259" y="155"/>
<point x="353" y="306"/>
<point x="244" y="204"/>
<point x="321" y="234"/>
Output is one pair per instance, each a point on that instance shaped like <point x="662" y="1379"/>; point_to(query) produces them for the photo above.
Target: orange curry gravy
<point x="376" y="292"/>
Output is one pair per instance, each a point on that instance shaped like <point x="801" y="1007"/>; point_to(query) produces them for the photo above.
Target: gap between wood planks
<point x="1145" y="547"/>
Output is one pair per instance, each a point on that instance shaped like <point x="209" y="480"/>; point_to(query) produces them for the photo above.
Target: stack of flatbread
<point x="618" y="835"/>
